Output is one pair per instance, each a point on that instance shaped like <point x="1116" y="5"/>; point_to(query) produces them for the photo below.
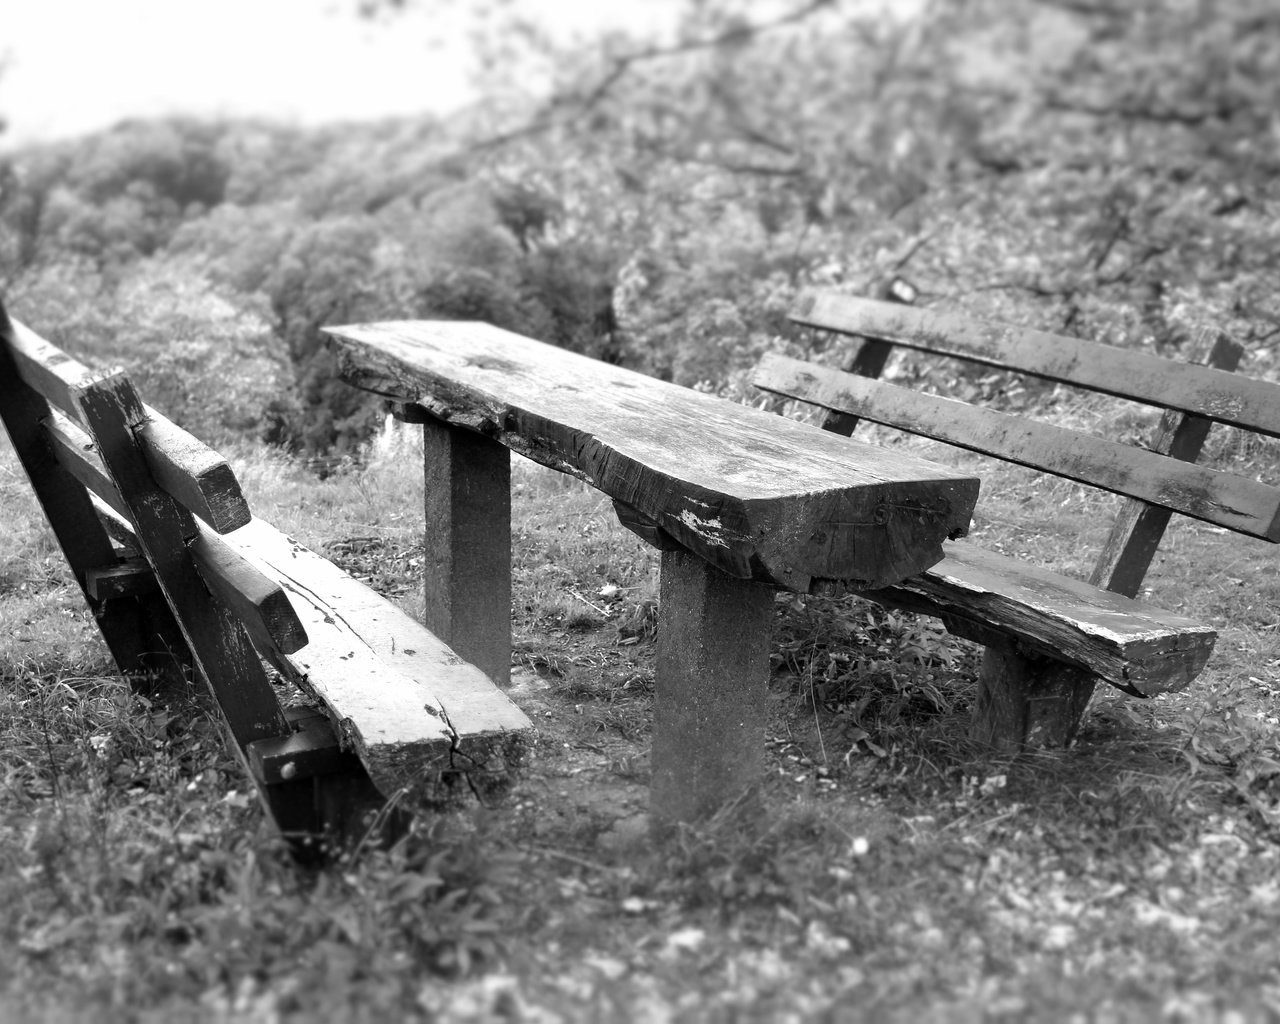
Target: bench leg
<point x="1028" y="702"/>
<point x="468" y="546"/>
<point x="710" y="689"/>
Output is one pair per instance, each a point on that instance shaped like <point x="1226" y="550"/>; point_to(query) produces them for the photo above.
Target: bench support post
<point x="1036" y="702"/>
<point x="468" y="545"/>
<point x="1028" y="702"/>
<point x="710" y="688"/>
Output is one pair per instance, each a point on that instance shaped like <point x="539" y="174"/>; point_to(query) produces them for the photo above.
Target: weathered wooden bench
<point x="372" y="713"/>
<point x="738" y="504"/>
<point x="1049" y="638"/>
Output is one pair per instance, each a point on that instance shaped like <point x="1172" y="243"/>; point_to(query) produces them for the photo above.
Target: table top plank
<point x="759" y="496"/>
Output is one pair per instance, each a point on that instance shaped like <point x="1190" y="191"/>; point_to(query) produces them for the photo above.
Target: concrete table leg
<point x="710" y="689"/>
<point x="468" y="545"/>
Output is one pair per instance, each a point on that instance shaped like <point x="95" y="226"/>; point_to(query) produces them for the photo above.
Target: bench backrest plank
<point x="1223" y="499"/>
<point x="1205" y="391"/>
<point x="184" y="467"/>
<point x="237" y="586"/>
<point x="67" y="505"/>
<point x="112" y="411"/>
<point x="759" y="498"/>
<point x="1138" y="529"/>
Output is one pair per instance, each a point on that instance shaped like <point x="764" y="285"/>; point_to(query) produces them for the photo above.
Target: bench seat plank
<point x="758" y="497"/>
<point x="1224" y="499"/>
<point x="981" y="594"/>
<point x="420" y="718"/>
<point x="1203" y="390"/>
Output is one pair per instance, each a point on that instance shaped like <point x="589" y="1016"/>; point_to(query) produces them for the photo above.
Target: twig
<point x="582" y="862"/>
<point x="577" y="108"/>
<point x="593" y="607"/>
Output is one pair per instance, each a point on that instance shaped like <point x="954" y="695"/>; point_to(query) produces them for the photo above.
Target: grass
<point x="889" y="872"/>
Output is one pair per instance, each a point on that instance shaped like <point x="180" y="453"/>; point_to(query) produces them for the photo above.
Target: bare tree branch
<point x="565" y="109"/>
<point x="1223" y="111"/>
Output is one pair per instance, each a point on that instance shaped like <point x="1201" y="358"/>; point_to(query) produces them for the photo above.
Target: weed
<point x="884" y="671"/>
<point x="885" y="862"/>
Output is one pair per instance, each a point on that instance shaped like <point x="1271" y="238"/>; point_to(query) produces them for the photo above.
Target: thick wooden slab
<point x="184" y="467"/>
<point x="1212" y="393"/>
<point x="421" y="719"/>
<point x="985" y="596"/>
<point x="758" y="496"/>
<point x="1224" y="499"/>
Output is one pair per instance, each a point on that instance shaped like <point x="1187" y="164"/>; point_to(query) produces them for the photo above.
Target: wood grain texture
<point x="1224" y="499"/>
<point x="710" y="689"/>
<point x="757" y="496"/>
<point x="1138" y="529"/>
<point x="67" y="506"/>
<point x="467" y="546"/>
<point x="871" y="357"/>
<point x="1028" y="701"/>
<point x="193" y="474"/>
<point x="111" y="411"/>
<point x="422" y="720"/>
<point x="185" y="467"/>
<point x="238" y="586"/>
<point x="129" y="578"/>
<point x="251" y="596"/>
<point x="1218" y="395"/>
<point x="311" y="749"/>
<point x="989" y="598"/>
<point x="118" y="528"/>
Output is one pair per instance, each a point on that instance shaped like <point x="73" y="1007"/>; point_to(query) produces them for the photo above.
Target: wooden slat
<point x="1225" y="397"/>
<point x="118" y="528"/>
<point x="46" y="369"/>
<point x="757" y="496"/>
<point x="226" y="660"/>
<point x="193" y="473"/>
<point x="421" y="718"/>
<point x="1136" y="534"/>
<point x="239" y="587"/>
<point x="311" y="749"/>
<point x="255" y="599"/>
<point x="129" y="578"/>
<point x="183" y="466"/>
<point x="871" y="357"/>
<point x="68" y="508"/>
<point x="984" y="596"/>
<point x="1238" y="503"/>
<point x="77" y="455"/>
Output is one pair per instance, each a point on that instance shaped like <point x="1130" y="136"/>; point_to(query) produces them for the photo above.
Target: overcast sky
<point x="77" y="65"/>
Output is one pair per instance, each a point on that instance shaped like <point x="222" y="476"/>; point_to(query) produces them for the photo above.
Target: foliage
<point x="1102" y="169"/>
<point x="886" y="863"/>
<point x="209" y="362"/>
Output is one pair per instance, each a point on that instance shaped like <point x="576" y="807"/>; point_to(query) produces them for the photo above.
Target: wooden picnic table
<point x="741" y="502"/>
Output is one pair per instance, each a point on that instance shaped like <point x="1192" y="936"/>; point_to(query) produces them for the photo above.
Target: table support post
<point x="468" y="545"/>
<point x="710" y="688"/>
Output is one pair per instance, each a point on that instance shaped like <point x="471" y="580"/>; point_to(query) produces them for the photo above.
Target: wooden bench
<point x="738" y="505"/>
<point x="1049" y="638"/>
<point x="371" y="713"/>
